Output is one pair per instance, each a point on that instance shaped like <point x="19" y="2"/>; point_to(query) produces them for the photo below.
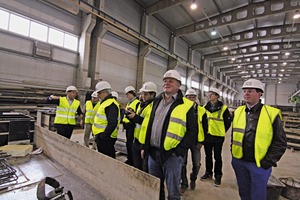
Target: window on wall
<point x="195" y="84"/>
<point x="4" y="16"/>
<point x="183" y="80"/>
<point x="205" y="88"/>
<point x="27" y="27"/>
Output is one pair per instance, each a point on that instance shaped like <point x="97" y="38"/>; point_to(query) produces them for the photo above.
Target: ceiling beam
<point x="255" y="60"/>
<point x="257" y="48"/>
<point x="289" y="65"/>
<point x="256" y="71"/>
<point x="251" y="35"/>
<point x="161" y="5"/>
<point x="253" y="11"/>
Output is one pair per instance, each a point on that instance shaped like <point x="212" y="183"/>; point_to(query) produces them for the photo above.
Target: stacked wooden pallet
<point x="291" y="122"/>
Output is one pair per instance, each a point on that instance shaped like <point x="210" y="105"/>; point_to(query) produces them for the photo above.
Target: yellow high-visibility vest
<point x="100" y="120"/>
<point x="65" y="113"/>
<point x="133" y="106"/>
<point x="201" y="112"/>
<point x="216" y="124"/>
<point x="137" y="128"/>
<point x="263" y="136"/>
<point x="90" y="111"/>
<point x="176" y="128"/>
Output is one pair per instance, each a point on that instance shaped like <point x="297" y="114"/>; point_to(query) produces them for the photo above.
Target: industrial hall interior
<point x="150" y="99"/>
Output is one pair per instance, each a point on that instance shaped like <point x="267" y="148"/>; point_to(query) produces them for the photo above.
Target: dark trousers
<point x="252" y="180"/>
<point x="138" y="162"/>
<point x="65" y="130"/>
<point x="106" y="146"/>
<point x="129" y="140"/>
<point x="214" y="144"/>
<point x="196" y="158"/>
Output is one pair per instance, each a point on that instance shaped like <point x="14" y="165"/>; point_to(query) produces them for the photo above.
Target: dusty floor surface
<point x="205" y="190"/>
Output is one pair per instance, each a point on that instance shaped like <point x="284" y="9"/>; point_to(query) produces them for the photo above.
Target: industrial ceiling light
<point x="296" y="15"/>
<point x="233" y="58"/>
<point x="213" y="32"/>
<point x="287" y="53"/>
<point x="282" y="70"/>
<point x="225" y="48"/>
<point x="193" y="5"/>
<point x="284" y="63"/>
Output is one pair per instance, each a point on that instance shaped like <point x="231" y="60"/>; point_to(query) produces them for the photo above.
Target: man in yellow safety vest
<point x="167" y="132"/>
<point x="106" y="121"/>
<point x="258" y="142"/>
<point x="90" y="109"/>
<point x="66" y="110"/>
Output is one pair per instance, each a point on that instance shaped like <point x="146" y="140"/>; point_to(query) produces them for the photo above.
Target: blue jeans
<point x="252" y="180"/>
<point x="169" y="170"/>
<point x="196" y="158"/>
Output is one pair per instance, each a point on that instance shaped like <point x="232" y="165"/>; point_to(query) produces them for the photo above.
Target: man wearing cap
<point x="148" y="93"/>
<point x="107" y="120"/>
<point x="66" y="110"/>
<point x="258" y="142"/>
<point x="219" y="121"/>
<point x="131" y="106"/>
<point x="195" y="149"/>
<point x="167" y="132"/>
<point x="90" y="109"/>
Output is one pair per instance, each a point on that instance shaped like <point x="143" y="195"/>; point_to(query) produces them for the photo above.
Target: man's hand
<point x="54" y="97"/>
<point x="199" y="145"/>
<point x="131" y="115"/>
<point x="142" y="154"/>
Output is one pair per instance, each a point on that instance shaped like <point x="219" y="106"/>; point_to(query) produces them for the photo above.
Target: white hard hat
<point x="190" y="92"/>
<point x="172" y="74"/>
<point x="215" y="90"/>
<point x="149" y="87"/>
<point x="71" y="88"/>
<point x="129" y="88"/>
<point x="115" y="94"/>
<point x="102" y="85"/>
<point x="253" y="83"/>
<point x="94" y="94"/>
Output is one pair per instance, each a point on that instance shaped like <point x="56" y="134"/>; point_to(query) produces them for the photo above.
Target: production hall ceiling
<point x="253" y="38"/>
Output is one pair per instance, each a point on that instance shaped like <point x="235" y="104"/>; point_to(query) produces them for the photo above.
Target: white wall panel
<point x="14" y="43"/>
<point x="35" y="72"/>
<point x="158" y="33"/>
<point x="181" y="48"/>
<point x="117" y="66"/>
<point x="65" y="56"/>
<point x="284" y="92"/>
<point x="270" y="94"/>
<point x="127" y="12"/>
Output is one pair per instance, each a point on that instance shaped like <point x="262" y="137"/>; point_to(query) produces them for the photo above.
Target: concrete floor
<point x="40" y="166"/>
<point x="288" y="166"/>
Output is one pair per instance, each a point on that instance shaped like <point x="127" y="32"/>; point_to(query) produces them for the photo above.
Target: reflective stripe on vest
<point x="90" y="112"/>
<point x="216" y="124"/>
<point x="100" y="120"/>
<point x="263" y="136"/>
<point x="65" y="113"/>
<point x="177" y="124"/>
<point x="201" y="112"/>
<point x="137" y="128"/>
<point x="133" y="106"/>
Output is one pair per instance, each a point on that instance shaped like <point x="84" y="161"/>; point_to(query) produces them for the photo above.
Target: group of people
<point x="160" y="129"/>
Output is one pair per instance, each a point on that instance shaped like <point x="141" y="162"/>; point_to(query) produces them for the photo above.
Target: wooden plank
<point x="114" y="179"/>
<point x="290" y="130"/>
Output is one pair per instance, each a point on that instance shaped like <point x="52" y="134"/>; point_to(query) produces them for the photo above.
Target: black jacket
<point x="187" y="141"/>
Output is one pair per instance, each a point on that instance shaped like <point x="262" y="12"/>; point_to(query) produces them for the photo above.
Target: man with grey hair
<point x="106" y="121"/>
<point x="167" y="132"/>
